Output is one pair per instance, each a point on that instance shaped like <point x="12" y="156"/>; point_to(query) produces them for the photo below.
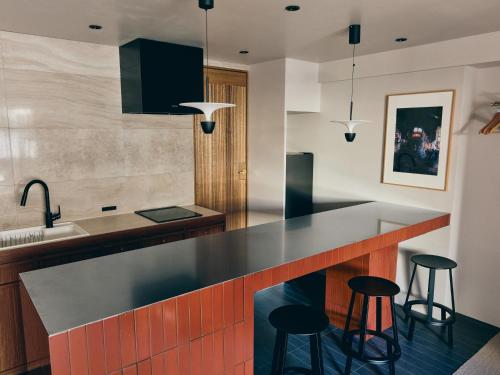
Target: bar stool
<point x="433" y="263"/>
<point x="370" y="286"/>
<point x="298" y="320"/>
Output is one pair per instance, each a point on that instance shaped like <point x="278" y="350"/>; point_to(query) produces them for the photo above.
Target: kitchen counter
<point x="130" y="221"/>
<point x="76" y="294"/>
<point x="109" y="228"/>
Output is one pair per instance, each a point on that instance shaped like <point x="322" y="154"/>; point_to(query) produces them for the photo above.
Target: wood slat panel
<point x="194" y="315"/>
<point x="95" y="347"/>
<point x="206" y="311"/>
<point x="182" y="320"/>
<point x="156" y="324"/>
<point x="78" y="351"/>
<point x="59" y="354"/>
<point x="112" y="345"/>
<point x="127" y="338"/>
<point x="143" y="335"/>
<point x="170" y="323"/>
<point x="158" y="365"/>
<point x="227" y="76"/>
<point x="221" y="158"/>
<point x="228" y="296"/>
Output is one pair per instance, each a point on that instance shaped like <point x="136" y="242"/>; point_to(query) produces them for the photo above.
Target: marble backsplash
<point x="61" y="121"/>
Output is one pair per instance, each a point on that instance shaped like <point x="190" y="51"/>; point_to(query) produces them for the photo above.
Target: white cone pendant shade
<point x="207" y="107"/>
<point x="354" y="38"/>
<point x="350" y="125"/>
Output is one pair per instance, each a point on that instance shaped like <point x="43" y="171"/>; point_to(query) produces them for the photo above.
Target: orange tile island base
<point x="188" y="307"/>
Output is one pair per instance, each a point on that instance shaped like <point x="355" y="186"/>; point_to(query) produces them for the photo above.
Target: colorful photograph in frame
<point x="417" y="139"/>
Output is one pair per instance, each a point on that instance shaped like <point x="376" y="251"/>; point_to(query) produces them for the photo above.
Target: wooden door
<point x="221" y="157"/>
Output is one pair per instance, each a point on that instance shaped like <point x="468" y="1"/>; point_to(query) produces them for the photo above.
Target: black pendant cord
<point x="352" y="81"/>
<point x="207" y="87"/>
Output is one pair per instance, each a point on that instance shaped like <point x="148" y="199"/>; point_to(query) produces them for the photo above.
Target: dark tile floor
<point x="426" y="354"/>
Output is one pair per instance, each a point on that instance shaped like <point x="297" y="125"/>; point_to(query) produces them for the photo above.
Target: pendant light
<point x="354" y="38"/>
<point x="208" y="108"/>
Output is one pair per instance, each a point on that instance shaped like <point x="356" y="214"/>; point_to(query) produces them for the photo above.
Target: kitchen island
<point x="187" y="307"/>
<point x="23" y="340"/>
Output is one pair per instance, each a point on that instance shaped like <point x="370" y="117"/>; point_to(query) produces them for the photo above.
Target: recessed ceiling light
<point x="292" y="8"/>
<point x="244" y="52"/>
<point x="95" y="27"/>
<point x="400" y="40"/>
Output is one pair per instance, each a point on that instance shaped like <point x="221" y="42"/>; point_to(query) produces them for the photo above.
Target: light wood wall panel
<point x="221" y="157"/>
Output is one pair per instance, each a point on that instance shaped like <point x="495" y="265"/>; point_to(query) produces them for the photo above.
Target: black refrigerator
<point x="299" y="184"/>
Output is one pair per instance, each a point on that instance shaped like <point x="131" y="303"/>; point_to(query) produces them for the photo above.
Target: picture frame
<point x="417" y="139"/>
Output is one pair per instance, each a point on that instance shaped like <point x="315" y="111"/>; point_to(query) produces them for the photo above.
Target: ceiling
<point x="318" y="32"/>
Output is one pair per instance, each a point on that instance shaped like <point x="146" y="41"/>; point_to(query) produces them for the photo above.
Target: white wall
<point x="266" y="142"/>
<point x="351" y="171"/>
<point x="302" y="88"/>
<point x="476" y="243"/>
<point x="346" y="172"/>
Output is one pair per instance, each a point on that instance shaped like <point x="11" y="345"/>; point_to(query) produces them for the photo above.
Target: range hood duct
<point x="157" y="76"/>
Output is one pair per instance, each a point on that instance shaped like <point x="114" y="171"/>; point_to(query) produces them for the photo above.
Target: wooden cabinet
<point x="23" y="340"/>
<point x="11" y="337"/>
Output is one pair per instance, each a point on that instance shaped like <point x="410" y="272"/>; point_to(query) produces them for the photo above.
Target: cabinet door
<point x="11" y="334"/>
<point x="36" y="339"/>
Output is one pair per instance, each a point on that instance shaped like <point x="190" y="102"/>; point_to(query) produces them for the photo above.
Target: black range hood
<point x="157" y="76"/>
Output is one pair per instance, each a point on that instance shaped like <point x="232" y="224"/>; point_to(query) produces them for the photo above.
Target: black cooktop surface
<point x="164" y="214"/>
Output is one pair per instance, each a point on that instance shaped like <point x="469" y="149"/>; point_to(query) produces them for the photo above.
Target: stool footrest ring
<point x="423" y="317"/>
<point x="379" y="360"/>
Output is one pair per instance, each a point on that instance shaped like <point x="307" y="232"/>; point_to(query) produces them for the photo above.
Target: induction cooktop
<point x="164" y="214"/>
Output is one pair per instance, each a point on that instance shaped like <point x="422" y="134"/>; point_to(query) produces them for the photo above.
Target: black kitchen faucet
<point x="49" y="216"/>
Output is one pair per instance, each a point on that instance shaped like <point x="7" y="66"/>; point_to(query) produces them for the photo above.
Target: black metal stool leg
<point x="279" y="357"/>
<point x="411" y="330"/>
<point x="394" y="322"/>
<point x="450" y="326"/>
<point x="392" y="366"/>
<point x="450" y="335"/>
<point x="346" y="340"/>
<point x="316" y="355"/>
<point x="362" y="326"/>
<point x="379" y="314"/>
<point x="405" y="307"/>
<point x="348" y="365"/>
<point x="443" y="317"/>
<point x="430" y="293"/>
<point x="349" y="317"/>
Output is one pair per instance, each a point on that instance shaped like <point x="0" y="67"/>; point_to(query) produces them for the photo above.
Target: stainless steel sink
<point x="39" y="235"/>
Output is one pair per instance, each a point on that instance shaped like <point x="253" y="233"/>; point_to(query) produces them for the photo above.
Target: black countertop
<point x="78" y="293"/>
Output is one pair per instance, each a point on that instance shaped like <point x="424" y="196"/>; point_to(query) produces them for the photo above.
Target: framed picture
<point x="417" y="139"/>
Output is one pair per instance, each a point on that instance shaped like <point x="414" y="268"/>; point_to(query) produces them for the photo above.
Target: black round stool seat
<point x="299" y="320"/>
<point x="433" y="261"/>
<point x="378" y="288"/>
<point x="374" y="286"/>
